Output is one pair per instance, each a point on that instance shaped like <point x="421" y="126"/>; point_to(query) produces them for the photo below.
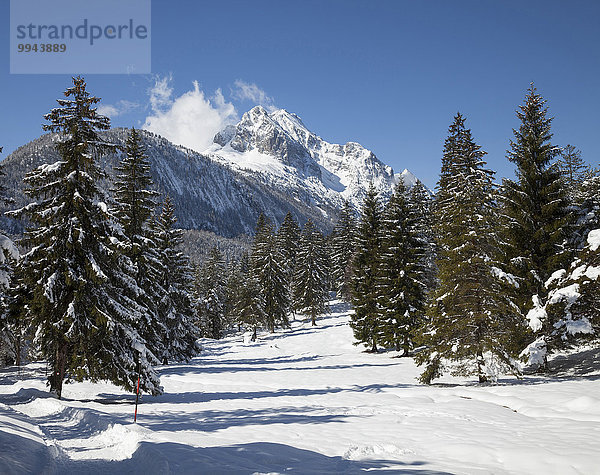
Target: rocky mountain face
<point x="208" y="195"/>
<point x="280" y="148"/>
<point x="268" y="163"/>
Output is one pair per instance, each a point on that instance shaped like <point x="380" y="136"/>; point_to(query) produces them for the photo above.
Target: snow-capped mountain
<point x="208" y="196"/>
<point x="268" y="163"/>
<point x="279" y="148"/>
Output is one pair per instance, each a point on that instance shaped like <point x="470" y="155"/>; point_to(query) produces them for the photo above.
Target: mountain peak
<point x="279" y="118"/>
<point x="285" y="118"/>
<point x="257" y="111"/>
<point x="408" y="177"/>
<point x="256" y="116"/>
<point x="280" y="148"/>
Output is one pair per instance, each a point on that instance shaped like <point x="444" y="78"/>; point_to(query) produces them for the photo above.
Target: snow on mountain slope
<point x="268" y="163"/>
<point x="408" y="178"/>
<point x="280" y="148"/>
<point x="303" y="401"/>
<point x="208" y="196"/>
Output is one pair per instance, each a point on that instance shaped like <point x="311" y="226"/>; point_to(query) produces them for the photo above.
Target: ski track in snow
<point x="303" y="401"/>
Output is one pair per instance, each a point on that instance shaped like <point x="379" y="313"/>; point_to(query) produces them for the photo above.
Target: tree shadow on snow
<point x="339" y="307"/>
<point x="257" y="457"/>
<point x="580" y="366"/>
<point x="25" y="395"/>
<point x="13" y="374"/>
<point x="200" y="396"/>
<point x="321" y="325"/>
<point x="227" y="366"/>
<point x="22" y="450"/>
<point x="213" y="420"/>
<point x="77" y="423"/>
<point x="581" y="363"/>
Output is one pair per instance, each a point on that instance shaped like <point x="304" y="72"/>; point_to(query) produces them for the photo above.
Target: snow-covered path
<point x="303" y="401"/>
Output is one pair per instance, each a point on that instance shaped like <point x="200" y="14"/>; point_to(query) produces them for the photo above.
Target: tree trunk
<point x="314" y="320"/>
<point x="480" y="373"/>
<point x="61" y="375"/>
<point x="18" y="351"/>
<point x="406" y="346"/>
<point x="58" y="373"/>
<point x="374" y="348"/>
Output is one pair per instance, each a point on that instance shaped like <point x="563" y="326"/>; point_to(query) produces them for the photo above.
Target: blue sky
<point x="387" y="74"/>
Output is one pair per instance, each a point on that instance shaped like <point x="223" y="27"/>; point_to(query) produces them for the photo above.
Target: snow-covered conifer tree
<point x="79" y="279"/>
<point x="175" y="307"/>
<point x="11" y="322"/>
<point x="267" y="268"/>
<point x="421" y="202"/>
<point x="310" y="296"/>
<point x="342" y="251"/>
<point x="571" y="313"/>
<point x="472" y="315"/>
<point x="365" y="322"/>
<point x="135" y="202"/>
<point x="404" y="276"/>
<point x="536" y="203"/>
<point x="288" y="240"/>
<point x="249" y="305"/>
<point x="233" y="279"/>
<point x="211" y="293"/>
<point x="587" y="205"/>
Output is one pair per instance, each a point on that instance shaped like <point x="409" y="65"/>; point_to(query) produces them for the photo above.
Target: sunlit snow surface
<point x="304" y="401"/>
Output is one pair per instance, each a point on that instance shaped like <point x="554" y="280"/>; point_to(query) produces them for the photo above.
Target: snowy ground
<point x="303" y="401"/>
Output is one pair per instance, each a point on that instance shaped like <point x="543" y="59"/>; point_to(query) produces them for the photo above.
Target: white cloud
<point x="192" y="119"/>
<point x="107" y="110"/>
<point x="245" y="91"/>
<point x="160" y="93"/>
<point x="120" y="108"/>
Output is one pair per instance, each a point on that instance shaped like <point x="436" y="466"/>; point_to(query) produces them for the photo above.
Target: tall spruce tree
<point x="80" y="281"/>
<point x="365" y="321"/>
<point x="403" y="277"/>
<point x="133" y="190"/>
<point x="310" y="296"/>
<point x="288" y="240"/>
<point x="267" y="268"/>
<point x="233" y="283"/>
<point x="18" y="294"/>
<point x="535" y="204"/>
<point x="211" y="296"/>
<point x="233" y="277"/>
<point x="421" y="203"/>
<point x="249" y="305"/>
<point x="175" y="308"/>
<point x="10" y="321"/>
<point x="135" y="202"/>
<point x="342" y="251"/>
<point x="471" y="311"/>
